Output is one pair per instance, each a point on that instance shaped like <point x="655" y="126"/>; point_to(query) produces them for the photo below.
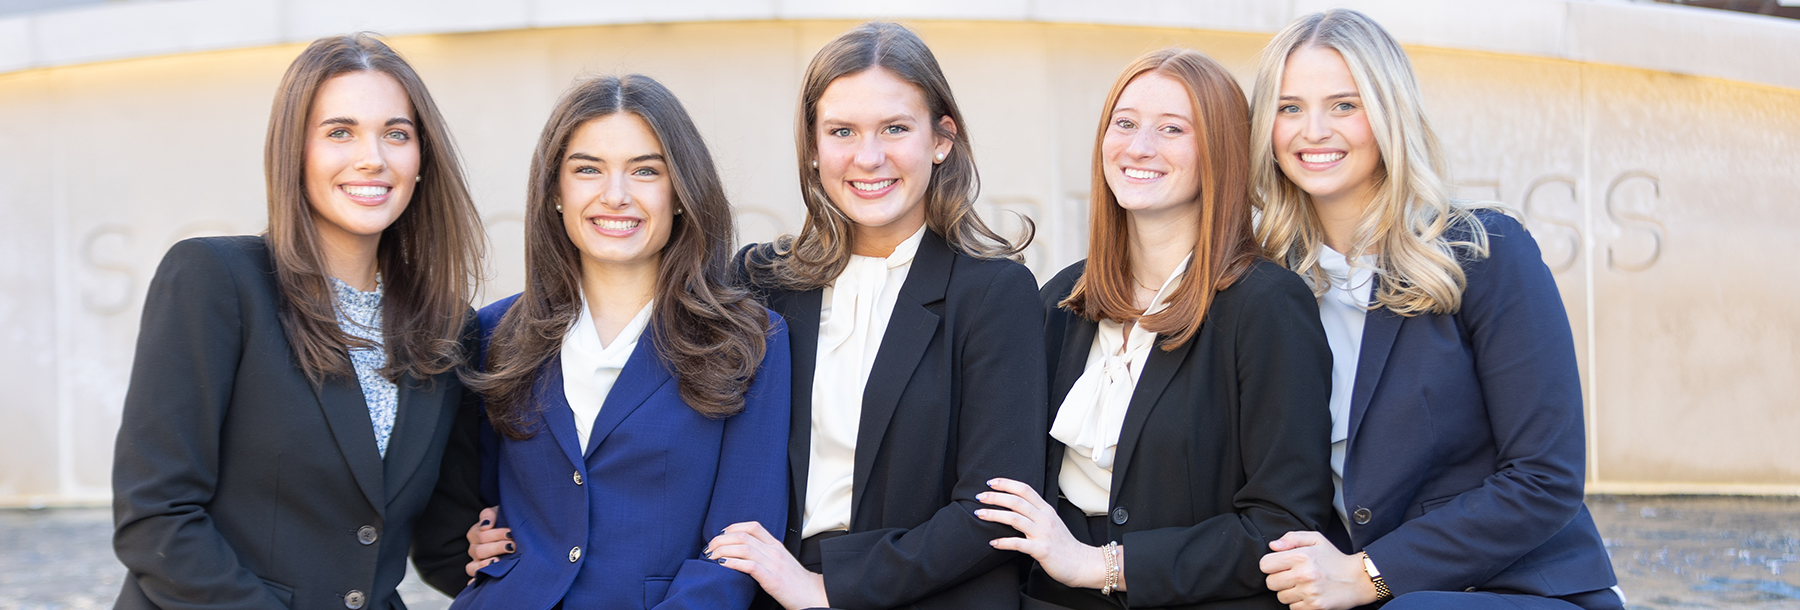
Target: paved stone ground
<point x="1671" y="553"/>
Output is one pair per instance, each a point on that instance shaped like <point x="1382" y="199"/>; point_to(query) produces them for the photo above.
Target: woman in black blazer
<point x="885" y="472"/>
<point x="293" y="391"/>
<point x="1189" y="376"/>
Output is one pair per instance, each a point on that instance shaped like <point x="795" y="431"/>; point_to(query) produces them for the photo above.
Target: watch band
<point x="1381" y="588"/>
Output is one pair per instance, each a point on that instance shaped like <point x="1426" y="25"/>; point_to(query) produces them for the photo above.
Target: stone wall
<point x="1664" y="202"/>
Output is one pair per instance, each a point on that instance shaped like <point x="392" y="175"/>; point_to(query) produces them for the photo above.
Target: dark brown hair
<point x="428" y="259"/>
<point x="820" y="251"/>
<point x="1225" y="249"/>
<point x="710" y="335"/>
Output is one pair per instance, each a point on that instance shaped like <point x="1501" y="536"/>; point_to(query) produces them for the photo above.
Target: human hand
<point x="1307" y="573"/>
<point x="748" y="548"/>
<point x="486" y="542"/>
<point x="1046" y="539"/>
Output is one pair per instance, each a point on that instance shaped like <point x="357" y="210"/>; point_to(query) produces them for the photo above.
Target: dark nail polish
<point x="509" y="535"/>
<point x="484" y="522"/>
<point x="721" y="560"/>
<point x="509" y="548"/>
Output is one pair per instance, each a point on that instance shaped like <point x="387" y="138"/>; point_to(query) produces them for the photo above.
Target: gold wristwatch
<point x="1381" y="588"/>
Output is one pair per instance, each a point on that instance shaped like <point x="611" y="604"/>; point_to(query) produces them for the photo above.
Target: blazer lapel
<point x="1159" y="369"/>
<point x="801" y="312"/>
<point x="559" y="420"/>
<point x="1078" y="340"/>
<point x="642" y="375"/>
<point x="909" y="332"/>
<point x="1380" y="327"/>
<point x="348" y="416"/>
<point x="414" y="424"/>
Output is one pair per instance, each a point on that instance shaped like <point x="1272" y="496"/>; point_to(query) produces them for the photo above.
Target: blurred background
<point x="1651" y="147"/>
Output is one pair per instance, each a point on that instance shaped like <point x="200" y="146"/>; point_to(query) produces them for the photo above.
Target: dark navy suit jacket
<point x="1466" y="452"/>
<point x="623" y="526"/>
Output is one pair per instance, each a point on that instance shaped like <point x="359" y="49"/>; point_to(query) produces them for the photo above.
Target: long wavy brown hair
<point x="709" y="334"/>
<point x="1225" y="249"/>
<point x="429" y="258"/>
<point x="818" y="254"/>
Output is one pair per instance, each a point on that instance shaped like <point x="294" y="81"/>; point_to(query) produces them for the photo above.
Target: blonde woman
<point x="1457" y="434"/>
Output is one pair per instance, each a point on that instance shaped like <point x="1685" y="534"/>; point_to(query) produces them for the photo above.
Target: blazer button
<point x="367" y="535"/>
<point x="574" y="554"/>
<point x="1120" y="516"/>
<point x="354" y="600"/>
<point x="1362" y="516"/>
<point x="1469" y="590"/>
<point x="577" y="477"/>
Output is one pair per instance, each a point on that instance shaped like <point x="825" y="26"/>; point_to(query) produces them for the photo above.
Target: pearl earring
<point x="815" y="164"/>
<point x="677" y="211"/>
<point x="418" y="178"/>
<point x="940" y="157"/>
<point x="559" y="208"/>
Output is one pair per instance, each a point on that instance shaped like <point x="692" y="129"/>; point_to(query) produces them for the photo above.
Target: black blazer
<point x="1226" y="446"/>
<point x="956" y="397"/>
<point x="236" y="482"/>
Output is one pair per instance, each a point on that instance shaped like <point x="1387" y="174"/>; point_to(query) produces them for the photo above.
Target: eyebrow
<point x="344" y="120"/>
<point x="1170" y="115"/>
<point x="1334" y="96"/>
<point x="580" y="156"/>
<point x="898" y="118"/>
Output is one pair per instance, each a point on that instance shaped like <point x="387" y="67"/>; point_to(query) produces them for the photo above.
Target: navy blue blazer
<point x="623" y="526"/>
<point x="1466" y="452"/>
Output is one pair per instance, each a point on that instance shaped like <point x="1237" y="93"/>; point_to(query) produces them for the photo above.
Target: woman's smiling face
<point x="876" y="150"/>
<point x="616" y="193"/>
<point x="362" y="155"/>
<point x="1150" y="150"/>
<point x="1322" y="138"/>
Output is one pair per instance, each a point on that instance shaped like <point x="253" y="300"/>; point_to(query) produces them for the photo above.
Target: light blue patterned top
<point x="359" y="314"/>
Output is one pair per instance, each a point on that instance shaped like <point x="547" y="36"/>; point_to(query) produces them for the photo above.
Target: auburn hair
<point x="1224" y="250"/>
<point x="429" y="258"/>
<point x="709" y="334"/>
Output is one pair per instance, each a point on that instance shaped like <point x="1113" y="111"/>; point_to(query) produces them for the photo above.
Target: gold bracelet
<point x="1110" y="553"/>
<point x="1381" y="588"/>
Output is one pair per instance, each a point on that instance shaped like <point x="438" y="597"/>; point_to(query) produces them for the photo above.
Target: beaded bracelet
<point x="1110" y="553"/>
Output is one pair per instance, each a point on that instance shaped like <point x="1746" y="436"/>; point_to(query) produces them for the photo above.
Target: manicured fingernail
<point x="484" y="522"/>
<point x="993" y="543"/>
<point x="509" y="535"/>
<point x="721" y="560"/>
<point x="978" y="512"/>
<point x="991" y="482"/>
<point x="509" y="547"/>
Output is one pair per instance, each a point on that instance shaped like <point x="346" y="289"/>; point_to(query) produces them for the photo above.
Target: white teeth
<point x="1142" y="174"/>
<point x="1321" y="157"/>
<point x="616" y="225"/>
<point x="365" y="191"/>
<point x="871" y="186"/>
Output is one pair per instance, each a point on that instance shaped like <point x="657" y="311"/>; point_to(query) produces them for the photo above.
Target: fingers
<point x="485" y="521"/>
<point x="490" y="550"/>
<point x="1021" y="490"/>
<point x="475" y="566"/>
<point x="1007" y="501"/>
<point x="498" y="534"/>
<point x="1280" y="562"/>
<point x="1294" y="540"/>
<point x="753" y="529"/>
<point x="1023" y="545"/>
<point x="1008" y="518"/>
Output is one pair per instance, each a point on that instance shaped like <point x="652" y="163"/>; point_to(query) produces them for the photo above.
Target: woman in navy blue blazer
<point x="636" y="404"/>
<point x="1457" y="419"/>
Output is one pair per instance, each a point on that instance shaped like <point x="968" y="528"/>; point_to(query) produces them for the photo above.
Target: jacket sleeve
<point x="1283" y="374"/>
<point x="1512" y="319"/>
<point x="166" y="460"/>
<point x="751" y="484"/>
<point x="440" y="546"/>
<point x="1000" y="432"/>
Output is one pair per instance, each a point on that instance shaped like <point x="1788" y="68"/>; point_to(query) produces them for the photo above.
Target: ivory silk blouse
<point x="1090" y="418"/>
<point x="590" y="367"/>
<point x="1342" y="311"/>
<point x="853" y="318"/>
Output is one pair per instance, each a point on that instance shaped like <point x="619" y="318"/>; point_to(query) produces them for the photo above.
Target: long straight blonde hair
<point x="1417" y="232"/>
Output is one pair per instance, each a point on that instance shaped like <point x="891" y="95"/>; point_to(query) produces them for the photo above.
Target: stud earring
<point x="815" y="164"/>
<point x="418" y="178"/>
<point x="559" y="208"/>
<point x="677" y="211"/>
<point x="940" y="157"/>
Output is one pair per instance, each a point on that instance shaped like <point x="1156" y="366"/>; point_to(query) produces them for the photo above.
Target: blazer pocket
<point x="283" y="593"/>
<point x="655" y="589"/>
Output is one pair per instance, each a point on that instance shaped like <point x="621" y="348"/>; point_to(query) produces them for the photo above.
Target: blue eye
<point x="645" y="171"/>
<point x="399" y="136"/>
<point x="1344" y="107"/>
<point x="586" y="169"/>
<point x="338" y="133"/>
<point x="895" y="129"/>
<point x="1288" y="109"/>
<point x="841" y="132"/>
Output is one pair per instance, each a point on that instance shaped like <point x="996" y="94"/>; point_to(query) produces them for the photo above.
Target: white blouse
<point x="590" y="367"/>
<point x="1342" y="312"/>
<point x="1089" y="420"/>
<point x="853" y="317"/>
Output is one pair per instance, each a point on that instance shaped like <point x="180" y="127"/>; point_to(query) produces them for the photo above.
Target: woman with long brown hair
<point x="293" y="391"/>
<point x="1190" y="375"/>
<point x="917" y="375"/>
<point x="636" y="403"/>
